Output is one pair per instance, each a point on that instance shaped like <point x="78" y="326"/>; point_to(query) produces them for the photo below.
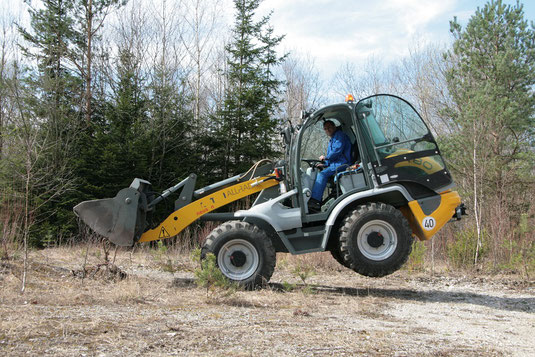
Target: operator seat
<point x="332" y="185"/>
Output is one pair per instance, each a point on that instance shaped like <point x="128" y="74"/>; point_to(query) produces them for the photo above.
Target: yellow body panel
<point x="426" y="164"/>
<point x="180" y="219"/>
<point x="425" y="226"/>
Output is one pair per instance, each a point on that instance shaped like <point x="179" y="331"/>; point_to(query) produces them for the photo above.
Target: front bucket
<point x="120" y="219"/>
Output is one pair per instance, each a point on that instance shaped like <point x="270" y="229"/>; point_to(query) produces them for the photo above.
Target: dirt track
<point x="159" y="313"/>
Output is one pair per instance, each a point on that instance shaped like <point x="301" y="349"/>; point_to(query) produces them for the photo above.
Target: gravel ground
<point x="153" y="312"/>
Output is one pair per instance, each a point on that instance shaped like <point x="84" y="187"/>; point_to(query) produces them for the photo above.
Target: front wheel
<point x="244" y="253"/>
<point x="375" y="239"/>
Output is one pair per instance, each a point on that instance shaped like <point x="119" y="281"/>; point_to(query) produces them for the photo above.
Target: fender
<point x="273" y="212"/>
<point x="274" y="218"/>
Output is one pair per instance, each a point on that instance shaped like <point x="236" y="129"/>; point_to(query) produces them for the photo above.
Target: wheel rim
<point x="238" y="259"/>
<point x="377" y="240"/>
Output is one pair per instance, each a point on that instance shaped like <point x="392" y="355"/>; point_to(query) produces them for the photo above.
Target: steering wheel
<point x="311" y="162"/>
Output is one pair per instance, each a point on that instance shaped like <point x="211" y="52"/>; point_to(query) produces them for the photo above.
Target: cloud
<point x="415" y="15"/>
<point x="335" y="32"/>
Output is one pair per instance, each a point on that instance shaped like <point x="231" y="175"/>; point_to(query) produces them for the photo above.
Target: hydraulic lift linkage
<point x="122" y="219"/>
<point x="183" y="217"/>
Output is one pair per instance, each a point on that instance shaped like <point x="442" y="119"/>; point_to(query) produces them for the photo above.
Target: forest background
<point x="94" y="93"/>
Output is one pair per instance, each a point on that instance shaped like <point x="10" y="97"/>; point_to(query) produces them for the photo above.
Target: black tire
<point x="337" y="255"/>
<point x="248" y="256"/>
<point x="375" y="239"/>
<point x="334" y="247"/>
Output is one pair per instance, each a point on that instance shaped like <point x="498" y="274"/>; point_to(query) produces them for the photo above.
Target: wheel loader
<point x="397" y="189"/>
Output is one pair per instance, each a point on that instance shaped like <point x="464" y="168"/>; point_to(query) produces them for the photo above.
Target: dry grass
<point x="157" y="312"/>
<point x="322" y="262"/>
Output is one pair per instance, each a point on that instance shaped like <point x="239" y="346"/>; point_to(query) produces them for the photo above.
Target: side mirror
<point x="305" y="114"/>
<point x="363" y="114"/>
<point x="287" y="135"/>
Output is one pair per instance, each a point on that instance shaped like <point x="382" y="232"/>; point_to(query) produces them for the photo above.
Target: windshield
<point x="390" y="120"/>
<point x="399" y="143"/>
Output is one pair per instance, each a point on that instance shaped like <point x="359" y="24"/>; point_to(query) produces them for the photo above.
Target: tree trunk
<point x="2" y="99"/>
<point x="26" y="231"/>
<point x="88" y="78"/>
<point x="477" y="213"/>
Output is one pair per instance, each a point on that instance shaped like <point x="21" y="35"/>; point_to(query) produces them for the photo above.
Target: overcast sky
<point x="335" y="32"/>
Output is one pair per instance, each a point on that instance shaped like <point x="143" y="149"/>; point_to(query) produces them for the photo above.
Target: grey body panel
<point x="273" y="212"/>
<point x="266" y="195"/>
<point x="287" y="222"/>
<point x="351" y="181"/>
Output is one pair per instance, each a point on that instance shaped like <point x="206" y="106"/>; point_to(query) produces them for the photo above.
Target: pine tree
<point x="491" y="83"/>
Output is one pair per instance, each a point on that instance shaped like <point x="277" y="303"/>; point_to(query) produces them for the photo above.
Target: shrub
<point x="210" y="277"/>
<point x="286" y="286"/>
<point x="461" y="252"/>
<point x="416" y="259"/>
<point x="521" y="257"/>
<point x="304" y="270"/>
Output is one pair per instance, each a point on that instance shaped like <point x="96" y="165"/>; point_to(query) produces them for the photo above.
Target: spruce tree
<point x="58" y="85"/>
<point x="246" y="126"/>
<point x="51" y="109"/>
<point x="89" y="19"/>
<point x="170" y="129"/>
<point x="121" y="147"/>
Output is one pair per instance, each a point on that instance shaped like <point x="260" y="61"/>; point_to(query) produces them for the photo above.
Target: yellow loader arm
<point x="177" y="221"/>
<point x="123" y="219"/>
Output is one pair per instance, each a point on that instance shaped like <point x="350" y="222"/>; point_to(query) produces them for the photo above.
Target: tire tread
<point x="266" y="245"/>
<point x="361" y="266"/>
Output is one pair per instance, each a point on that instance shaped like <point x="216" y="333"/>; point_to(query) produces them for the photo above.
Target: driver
<point x="338" y="154"/>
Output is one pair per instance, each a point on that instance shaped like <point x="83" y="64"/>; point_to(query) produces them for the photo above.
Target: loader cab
<point x="310" y="142"/>
<point x="391" y="144"/>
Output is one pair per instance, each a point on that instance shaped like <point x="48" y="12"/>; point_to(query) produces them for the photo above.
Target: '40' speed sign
<point x="429" y="223"/>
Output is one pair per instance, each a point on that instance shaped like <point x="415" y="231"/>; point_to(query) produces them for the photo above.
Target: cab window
<point x="313" y="143"/>
<point x="399" y="143"/>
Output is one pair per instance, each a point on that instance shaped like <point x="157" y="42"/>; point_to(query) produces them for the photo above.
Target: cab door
<point x="399" y="145"/>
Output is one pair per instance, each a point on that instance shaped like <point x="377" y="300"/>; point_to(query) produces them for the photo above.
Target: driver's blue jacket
<point x="338" y="154"/>
<point x="339" y="150"/>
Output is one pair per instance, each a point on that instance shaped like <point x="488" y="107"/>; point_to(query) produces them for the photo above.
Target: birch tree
<point x="491" y="84"/>
<point x="304" y="89"/>
<point x="202" y="30"/>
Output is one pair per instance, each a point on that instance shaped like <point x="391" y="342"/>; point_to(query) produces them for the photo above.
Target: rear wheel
<point x="244" y="253"/>
<point x="375" y="240"/>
